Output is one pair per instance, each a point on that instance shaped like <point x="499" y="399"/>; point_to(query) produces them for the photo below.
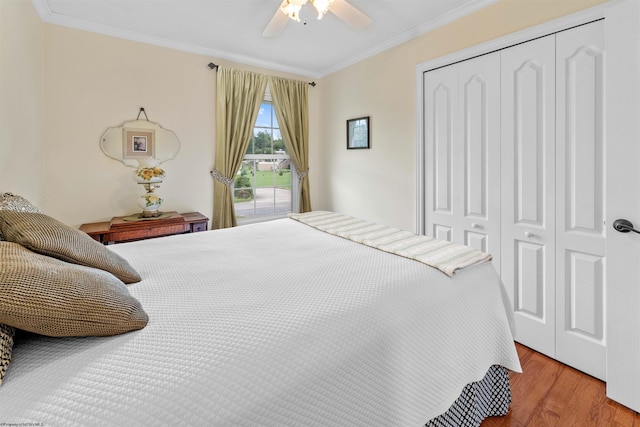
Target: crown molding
<point x="411" y="34"/>
<point x="48" y="16"/>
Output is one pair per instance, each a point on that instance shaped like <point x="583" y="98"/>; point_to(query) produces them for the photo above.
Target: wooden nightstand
<point x="118" y="230"/>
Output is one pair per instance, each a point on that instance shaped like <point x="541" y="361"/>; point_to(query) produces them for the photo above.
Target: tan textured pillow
<point x="6" y="345"/>
<point x="47" y="236"/>
<point x="51" y="297"/>
<point x="11" y="202"/>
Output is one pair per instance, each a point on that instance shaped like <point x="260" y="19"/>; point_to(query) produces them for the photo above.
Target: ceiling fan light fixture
<point x="322" y="6"/>
<point x="292" y="9"/>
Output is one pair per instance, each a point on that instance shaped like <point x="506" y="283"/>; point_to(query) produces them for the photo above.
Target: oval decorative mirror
<point x="142" y="144"/>
<point x="138" y="141"/>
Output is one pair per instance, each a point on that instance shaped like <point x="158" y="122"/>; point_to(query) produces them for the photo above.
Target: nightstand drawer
<point x="145" y="233"/>
<point x="198" y="226"/>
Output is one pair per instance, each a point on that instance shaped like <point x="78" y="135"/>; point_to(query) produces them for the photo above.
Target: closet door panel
<point x="529" y="295"/>
<point x="478" y="241"/>
<point x="441" y="151"/>
<point x="529" y="141"/>
<point x="528" y="189"/>
<point x="443" y="232"/>
<point x="581" y="232"/>
<point x="479" y="100"/>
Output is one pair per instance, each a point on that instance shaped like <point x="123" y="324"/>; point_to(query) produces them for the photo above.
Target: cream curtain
<point x="239" y="95"/>
<point x="290" y="102"/>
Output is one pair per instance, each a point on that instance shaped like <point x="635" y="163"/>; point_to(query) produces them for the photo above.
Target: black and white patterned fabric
<point x="13" y="202"/>
<point x="489" y="397"/>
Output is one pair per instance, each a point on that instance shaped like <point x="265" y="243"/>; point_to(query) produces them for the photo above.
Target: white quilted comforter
<point x="274" y="324"/>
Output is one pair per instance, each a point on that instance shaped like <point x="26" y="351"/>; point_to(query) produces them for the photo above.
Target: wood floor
<point x="549" y="393"/>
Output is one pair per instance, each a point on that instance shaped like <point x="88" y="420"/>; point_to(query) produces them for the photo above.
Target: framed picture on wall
<point x="138" y="143"/>
<point x="358" y="133"/>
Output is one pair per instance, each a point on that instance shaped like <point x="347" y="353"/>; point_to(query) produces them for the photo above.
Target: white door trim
<point x="622" y="50"/>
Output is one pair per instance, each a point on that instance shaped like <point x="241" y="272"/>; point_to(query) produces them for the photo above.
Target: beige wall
<point x="21" y="100"/>
<point x="61" y="88"/>
<point x="94" y="82"/>
<point x="379" y="184"/>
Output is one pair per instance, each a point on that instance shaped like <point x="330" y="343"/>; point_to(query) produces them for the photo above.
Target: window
<point x="263" y="185"/>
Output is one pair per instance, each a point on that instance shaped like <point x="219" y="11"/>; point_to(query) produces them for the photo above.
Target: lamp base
<point x="150" y="214"/>
<point x="150" y="202"/>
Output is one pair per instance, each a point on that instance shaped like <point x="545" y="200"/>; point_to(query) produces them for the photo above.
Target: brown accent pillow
<point x="51" y="297"/>
<point x="6" y="345"/>
<point x="47" y="236"/>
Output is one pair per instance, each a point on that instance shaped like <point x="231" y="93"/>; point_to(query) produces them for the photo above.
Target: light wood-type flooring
<point x="549" y="393"/>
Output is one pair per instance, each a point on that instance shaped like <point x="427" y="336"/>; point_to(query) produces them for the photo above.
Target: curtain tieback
<point x="303" y="174"/>
<point x="216" y="174"/>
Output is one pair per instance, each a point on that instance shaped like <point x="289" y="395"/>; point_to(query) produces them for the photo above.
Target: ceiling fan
<point x="290" y="9"/>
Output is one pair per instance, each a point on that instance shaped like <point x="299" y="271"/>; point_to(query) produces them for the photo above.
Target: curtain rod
<point x="215" y="68"/>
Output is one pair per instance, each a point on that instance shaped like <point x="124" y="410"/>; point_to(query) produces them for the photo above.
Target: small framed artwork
<point x="138" y="143"/>
<point x="358" y="133"/>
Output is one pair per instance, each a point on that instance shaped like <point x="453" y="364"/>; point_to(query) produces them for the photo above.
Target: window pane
<point x="244" y="189"/>
<point x="264" y="115"/>
<point x="263" y="184"/>
<point x="250" y="149"/>
<point x="262" y="141"/>
<point x="283" y="188"/>
<point x="278" y="143"/>
<point x="264" y="174"/>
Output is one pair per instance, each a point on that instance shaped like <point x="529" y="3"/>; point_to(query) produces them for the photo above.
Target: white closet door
<point x="462" y="138"/>
<point x="442" y="179"/>
<point x="528" y="189"/>
<point x="479" y="82"/>
<point x="580" y="186"/>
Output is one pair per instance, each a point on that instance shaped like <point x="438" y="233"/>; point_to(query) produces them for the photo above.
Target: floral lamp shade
<point x="148" y="174"/>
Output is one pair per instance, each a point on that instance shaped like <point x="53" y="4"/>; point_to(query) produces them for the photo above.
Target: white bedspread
<point x="273" y="324"/>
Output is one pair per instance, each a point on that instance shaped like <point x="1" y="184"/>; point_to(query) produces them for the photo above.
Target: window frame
<point x="295" y="184"/>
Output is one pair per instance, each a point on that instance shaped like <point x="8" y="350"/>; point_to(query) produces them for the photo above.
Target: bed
<point x="277" y="324"/>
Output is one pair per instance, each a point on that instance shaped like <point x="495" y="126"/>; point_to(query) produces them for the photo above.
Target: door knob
<point x="624" y="226"/>
<point x="474" y="225"/>
<point x="528" y="234"/>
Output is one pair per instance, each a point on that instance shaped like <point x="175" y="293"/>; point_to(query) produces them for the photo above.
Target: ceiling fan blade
<point x="350" y="14"/>
<point x="277" y="23"/>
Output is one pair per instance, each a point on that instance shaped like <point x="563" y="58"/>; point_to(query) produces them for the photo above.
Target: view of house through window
<point x="262" y="186"/>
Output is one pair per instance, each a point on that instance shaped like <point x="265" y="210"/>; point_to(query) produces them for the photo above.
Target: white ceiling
<point x="232" y="29"/>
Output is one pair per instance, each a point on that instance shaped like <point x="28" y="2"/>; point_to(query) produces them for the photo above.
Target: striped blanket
<point x="441" y="254"/>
